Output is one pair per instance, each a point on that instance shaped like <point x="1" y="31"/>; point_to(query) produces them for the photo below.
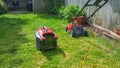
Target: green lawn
<point x="17" y="45"/>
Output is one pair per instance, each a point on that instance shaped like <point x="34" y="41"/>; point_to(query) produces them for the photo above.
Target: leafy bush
<point x="3" y="7"/>
<point x="70" y="11"/>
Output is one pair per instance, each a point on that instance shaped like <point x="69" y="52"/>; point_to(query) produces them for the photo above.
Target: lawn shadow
<point x="50" y="54"/>
<point x="48" y="17"/>
<point x="11" y="39"/>
<point x="53" y="17"/>
<point x="18" y="12"/>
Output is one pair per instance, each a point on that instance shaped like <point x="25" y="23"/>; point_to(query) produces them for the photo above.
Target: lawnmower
<point x="45" y="39"/>
<point x="76" y="28"/>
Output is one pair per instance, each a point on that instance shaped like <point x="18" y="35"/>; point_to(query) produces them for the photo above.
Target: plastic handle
<point x="45" y="28"/>
<point x="97" y="3"/>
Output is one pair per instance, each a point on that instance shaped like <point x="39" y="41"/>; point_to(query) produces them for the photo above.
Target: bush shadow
<point x="48" y="17"/>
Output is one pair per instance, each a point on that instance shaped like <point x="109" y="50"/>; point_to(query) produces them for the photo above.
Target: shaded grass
<point x="10" y="40"/>
<point x="17" y="45"/>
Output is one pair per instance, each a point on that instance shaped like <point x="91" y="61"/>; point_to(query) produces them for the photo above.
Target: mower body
<point x="76" y="30"/>
<point x="76" y="27"/>
<point x="45" y="39"/>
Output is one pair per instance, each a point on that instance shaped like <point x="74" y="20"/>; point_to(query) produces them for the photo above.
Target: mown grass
<point x="18" y="50"/>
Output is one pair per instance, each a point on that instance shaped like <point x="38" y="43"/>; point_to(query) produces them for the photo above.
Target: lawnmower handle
<point x="96" y="3"/>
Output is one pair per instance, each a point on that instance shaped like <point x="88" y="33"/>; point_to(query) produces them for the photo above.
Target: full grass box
<point x="45" y="39"/>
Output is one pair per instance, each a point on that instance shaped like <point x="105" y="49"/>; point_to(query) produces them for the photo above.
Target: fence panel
<point x="38" y="6"/>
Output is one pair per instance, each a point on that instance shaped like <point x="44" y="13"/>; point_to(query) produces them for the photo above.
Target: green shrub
<point x="3" y="7"/>
<point x="53" y="6"/>
<point x="56" y="9"/>
<point x="70" y="11"/>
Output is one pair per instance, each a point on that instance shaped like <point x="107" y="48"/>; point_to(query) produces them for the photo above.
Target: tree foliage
<point x="3" y="7"/>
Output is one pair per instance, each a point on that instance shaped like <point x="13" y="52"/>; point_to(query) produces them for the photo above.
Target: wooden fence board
<point x="38" y="6"/>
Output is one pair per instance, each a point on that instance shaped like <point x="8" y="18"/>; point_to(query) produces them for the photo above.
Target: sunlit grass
<point x="17" y="45"/>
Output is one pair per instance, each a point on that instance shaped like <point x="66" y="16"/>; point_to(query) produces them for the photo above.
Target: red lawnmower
<point x="76" y="27"/>
<point x="45" y="39"/>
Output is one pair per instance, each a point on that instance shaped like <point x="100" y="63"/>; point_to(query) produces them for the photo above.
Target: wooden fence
<point x="38" y="6"/>
<point x="109" y="15"/>
<point x="41" y="6"/>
